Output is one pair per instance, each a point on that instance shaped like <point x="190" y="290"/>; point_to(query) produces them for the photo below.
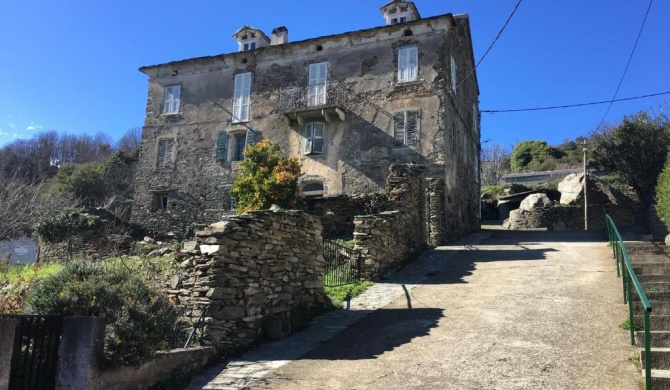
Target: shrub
<point x="138" y="321"/>
<point x="663" y="193"/>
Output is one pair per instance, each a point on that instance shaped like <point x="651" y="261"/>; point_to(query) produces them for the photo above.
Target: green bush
<point x="138" y="321"/>
<point x="68" y="223"/>
<point x="663" y="193"/>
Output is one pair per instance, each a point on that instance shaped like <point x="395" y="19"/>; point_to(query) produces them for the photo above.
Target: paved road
<point x="519" y="310"/>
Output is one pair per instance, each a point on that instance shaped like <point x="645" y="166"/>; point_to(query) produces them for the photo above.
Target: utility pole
<point x="586" y="202"/>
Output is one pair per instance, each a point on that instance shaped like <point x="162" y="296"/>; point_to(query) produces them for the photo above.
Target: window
<point x="313" y="190"/>
<point x="475" y="120"/>
<point x="241" y="97"/>
<point x="402" y="20"/>
<point x="249" y="46"/>
<point x="241" y="142"/>
<point x="408" y="64"/>
<point x="394" y="21"/>
<point x="315" y="134"/>
<point x="453" y="74"/>
<point x="160" y="201"/>
<point x="233" y="204"/>
<point x="318" y="76"/>
<point x="405" y="128"/>
<point x="171" y="99"/>
<point x="164" y="157"/>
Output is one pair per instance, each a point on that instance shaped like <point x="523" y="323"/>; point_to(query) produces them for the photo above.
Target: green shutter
<point x="222" y="147"/>
<point x="251" y="138"/>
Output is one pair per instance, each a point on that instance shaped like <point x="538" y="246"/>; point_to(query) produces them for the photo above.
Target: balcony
<point x="313" y="102"/>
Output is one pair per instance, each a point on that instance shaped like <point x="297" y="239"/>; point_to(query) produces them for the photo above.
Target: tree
<point x="636" y="150"/>
<point x="131" y="140"/>
<point x="23" y="204"/>
<point x="266" y="178"/>
<point x="663" y="193"/>
<point x="532" y="154"/>
<point x="494" y="163"/>
<point x="85" y="182"/>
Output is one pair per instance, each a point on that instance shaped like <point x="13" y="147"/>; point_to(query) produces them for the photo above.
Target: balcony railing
<point x="312" y="97"/>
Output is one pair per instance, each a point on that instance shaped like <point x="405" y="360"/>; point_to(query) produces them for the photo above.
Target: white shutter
<point x="309" y="131"/>
<point x="241" y="97"/>
<point x="318" y="76"/>
<point x="171" y="99"/>
<point x="408" y="64"/>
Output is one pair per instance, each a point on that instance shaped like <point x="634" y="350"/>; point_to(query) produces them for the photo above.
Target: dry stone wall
<point x="388" y="239"/>
<point x="252" y="271"/>
<point x="337" y="212"/>
<point x="569" y="217"/>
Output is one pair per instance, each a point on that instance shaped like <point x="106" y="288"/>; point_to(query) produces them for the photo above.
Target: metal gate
<point x="35" y="355"/>
<point x="343" y="264"/>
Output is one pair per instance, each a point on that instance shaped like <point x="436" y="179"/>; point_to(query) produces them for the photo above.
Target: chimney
<point x="279" y="36"/>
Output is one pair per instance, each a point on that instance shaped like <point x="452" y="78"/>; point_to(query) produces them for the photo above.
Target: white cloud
<point x="33" y="126"/>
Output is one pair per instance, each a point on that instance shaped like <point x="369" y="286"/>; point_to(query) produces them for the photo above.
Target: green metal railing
<point x="625" y="268"/>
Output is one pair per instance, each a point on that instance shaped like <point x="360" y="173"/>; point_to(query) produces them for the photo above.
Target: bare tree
<point x="494" y="164"/>
<point x="23" y="204"/>
<point x="131" y="140"/>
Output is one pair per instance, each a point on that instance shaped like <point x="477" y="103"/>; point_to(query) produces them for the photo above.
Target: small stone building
<point x="349" y="105"/>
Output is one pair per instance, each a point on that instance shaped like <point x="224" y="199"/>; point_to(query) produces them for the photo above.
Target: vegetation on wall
<point x="266" y="178"/>
<point x="663" y="193"/>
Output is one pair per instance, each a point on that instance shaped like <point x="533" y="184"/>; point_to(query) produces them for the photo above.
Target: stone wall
<point x="569" y="217"/>
<point x="253" y="271"/>
<point x="337" y="212"/>
<point x="388" y="239"/>
<point x="436" y="214"/>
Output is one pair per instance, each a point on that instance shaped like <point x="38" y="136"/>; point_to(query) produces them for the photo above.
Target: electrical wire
<point x="574" y="105"/>
<point x="627" y="64"/>
<point x="492" y="43"/>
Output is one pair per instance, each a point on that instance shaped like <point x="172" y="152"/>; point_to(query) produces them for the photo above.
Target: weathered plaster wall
<point x="358" y="150"/>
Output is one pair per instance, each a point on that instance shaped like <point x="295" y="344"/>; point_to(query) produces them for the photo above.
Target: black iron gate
<point x="35" y="355"/>
<point x="343" y="264"/>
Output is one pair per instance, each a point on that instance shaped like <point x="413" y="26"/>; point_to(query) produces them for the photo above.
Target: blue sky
<point x="71" y="66"/>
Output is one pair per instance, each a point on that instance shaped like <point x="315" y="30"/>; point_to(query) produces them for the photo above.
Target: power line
<point x="628" y="63"/>
<point x="575" y="105"/>
<point x="492" y="43"/>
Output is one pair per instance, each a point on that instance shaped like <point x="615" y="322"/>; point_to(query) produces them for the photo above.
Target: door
<point x="318" y="76"/>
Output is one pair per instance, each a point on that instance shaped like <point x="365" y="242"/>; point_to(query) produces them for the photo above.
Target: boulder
<point x="534" y="201"/>
<point x="571" y="188"/>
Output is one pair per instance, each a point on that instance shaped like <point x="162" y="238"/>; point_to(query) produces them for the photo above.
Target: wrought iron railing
<point x="625" y="268"/>
<point x="343" y="264"/>
<point x="306" y="97"/>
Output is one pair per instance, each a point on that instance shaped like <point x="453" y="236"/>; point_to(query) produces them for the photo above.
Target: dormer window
<point x="399" y="11"/>
<point x="249" y="38"/>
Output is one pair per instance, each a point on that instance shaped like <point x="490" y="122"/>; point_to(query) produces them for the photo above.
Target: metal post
<point x="586" y="203"/>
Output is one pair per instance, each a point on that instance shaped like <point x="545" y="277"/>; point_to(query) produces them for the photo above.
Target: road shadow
<point x="503" y="237"/>
<point x="382" y="331"/>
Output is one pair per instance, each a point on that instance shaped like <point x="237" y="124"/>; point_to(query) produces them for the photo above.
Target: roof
<point x="250" y="28"/>
<point x="409" y="3"/>
<point x="378" y="28"/>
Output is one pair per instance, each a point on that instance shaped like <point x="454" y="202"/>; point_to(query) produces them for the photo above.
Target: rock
<point x="149" y="240"/>
<point x="189" y="246"/>
<point x="159" y="252"/>
<point x="667" y="239"/>
<point x="185" y="264"/>
<point x="571" y="187"/>
<point x="175" y="282"/>
<point x="210" y="249"/>
<point x="534" y="201"/>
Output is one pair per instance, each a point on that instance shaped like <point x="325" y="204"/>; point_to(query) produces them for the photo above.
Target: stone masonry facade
<point x="368" y="116"/>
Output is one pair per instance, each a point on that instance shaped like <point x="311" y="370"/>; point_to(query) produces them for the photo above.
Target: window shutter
<point x="169" y="150"/>
<point x="411" y="127"/>
<point x="318" y="142"/>
<point x="250" y="139"/>
<point x="176" y="98"/>
<point x="167" y="101"/>
<point x="241" y="97"/>
<point x="402" y="64"/>
<point x="453" y="74"/>
<point x="222" y="147"/>
<point x="399" y="129"/>
<point x="308" y="133"/>
<point x="413" y="63"/>
<point x="160" y="156"/>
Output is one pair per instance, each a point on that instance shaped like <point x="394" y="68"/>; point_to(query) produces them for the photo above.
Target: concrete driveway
<point x="520" y="310"/>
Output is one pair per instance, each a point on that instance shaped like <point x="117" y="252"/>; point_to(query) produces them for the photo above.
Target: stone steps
<point x="640" y="259"/>
<point x="652" y="269"/>
<point x="659" y="338"/>
<point x="656" y="322"/>
<point x="660" y="379"/>
<point x="659" y="307"/>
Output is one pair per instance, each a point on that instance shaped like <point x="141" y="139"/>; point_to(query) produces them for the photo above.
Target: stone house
<point x="348" y="105"/>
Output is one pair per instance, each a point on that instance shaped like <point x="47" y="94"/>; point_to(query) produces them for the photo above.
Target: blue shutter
<point x="222" y="147"/>
<point x="250" y="139"/>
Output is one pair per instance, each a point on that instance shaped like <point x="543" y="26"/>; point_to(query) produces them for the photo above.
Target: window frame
<point x="249" y="138"/>
<point x="167" y="160"/>
<point x="310" y="138"/>
<point x="171" y="104"/>
<point x="453" y="71"/>
<point x="242" y="97"/>
<point x="408" y="64"/>
<point x="406" y="137"/>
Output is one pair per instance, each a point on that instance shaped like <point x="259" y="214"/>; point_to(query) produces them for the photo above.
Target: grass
<point x="625" y="324"/>
<point x="28" y="272"/>
<point x="338" y="295"/>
